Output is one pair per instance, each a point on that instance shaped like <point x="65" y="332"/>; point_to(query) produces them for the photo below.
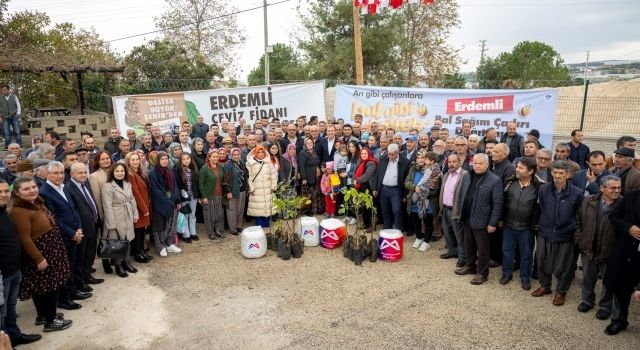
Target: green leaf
<point x="192" y="112"/>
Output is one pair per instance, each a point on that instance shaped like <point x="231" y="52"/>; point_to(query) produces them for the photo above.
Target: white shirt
<point x="330" y="144"/>
<point x="60" y="189"/>
<point x="391" y="175"/>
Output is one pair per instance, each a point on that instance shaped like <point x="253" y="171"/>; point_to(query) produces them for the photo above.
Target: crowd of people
<point x="497" y="200"/>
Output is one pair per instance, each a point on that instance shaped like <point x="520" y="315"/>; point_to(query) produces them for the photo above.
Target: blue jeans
<point x="522" y="240"/>
<point x="8" y="317"/>
<point x="7" y="124"/>
<point x="391" y="206"/>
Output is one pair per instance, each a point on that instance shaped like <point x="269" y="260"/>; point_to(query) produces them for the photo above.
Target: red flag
<point x="428" y="2"/>
<point x="373" y="7"/>
<point x="395" y="3"/>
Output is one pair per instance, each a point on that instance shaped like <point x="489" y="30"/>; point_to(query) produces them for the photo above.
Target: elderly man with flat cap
<point x="624" y="169"/>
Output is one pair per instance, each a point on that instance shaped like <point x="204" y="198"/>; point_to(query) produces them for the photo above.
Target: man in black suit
<point x="84" y="201"/>
<point x="291" y="137"/>
<point x="328" y="145"/>
<point x="58" y="200"/>
<point x="390" y="177"/>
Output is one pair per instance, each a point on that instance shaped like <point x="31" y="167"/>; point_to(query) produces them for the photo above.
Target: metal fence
<point x="604" y="116"/>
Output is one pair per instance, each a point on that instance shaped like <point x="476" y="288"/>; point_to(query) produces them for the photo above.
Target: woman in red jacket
<point x="140" y="189"/>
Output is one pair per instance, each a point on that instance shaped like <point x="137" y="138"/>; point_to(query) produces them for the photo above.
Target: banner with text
<point x="404" y="109"/>
<point x="168" y="110"/>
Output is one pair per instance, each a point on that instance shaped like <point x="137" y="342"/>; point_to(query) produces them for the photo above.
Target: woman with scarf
<point x="262" y="182"/>
<point x="422" y="186"/>
<point x="165" y="200"/>
<point x="223" y="157"/>
<point x="291" y="157"/>
<point x="198" y="154"/>
<point x="211" y="192"/>
<point x="353" y="154"/>
<point x="140" y="189"/>
<point x="175" y="150"/>
<point x="120" y="213"/>
<point x="235" y="188"/>
<point x="309" y="166"/>
<point x="283" y="166"/>
<point x="363" y="179"/>
<point x="187" y="178"/>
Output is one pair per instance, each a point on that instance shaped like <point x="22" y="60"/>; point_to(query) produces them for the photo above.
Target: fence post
<point x="584" y="103"/>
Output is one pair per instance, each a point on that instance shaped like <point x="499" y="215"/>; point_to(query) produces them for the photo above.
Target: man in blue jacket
<point x="556" y="251"/>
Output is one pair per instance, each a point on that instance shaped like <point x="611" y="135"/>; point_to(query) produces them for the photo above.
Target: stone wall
<point x="70" y="127"/>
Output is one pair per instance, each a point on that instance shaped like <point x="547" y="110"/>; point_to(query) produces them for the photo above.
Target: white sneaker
<point x="424" y="247"/>
<point x="417" y="243"/>
<point x="163" y="252"/>
<point x="173" y="249"/>
<point x="352" y="221"/>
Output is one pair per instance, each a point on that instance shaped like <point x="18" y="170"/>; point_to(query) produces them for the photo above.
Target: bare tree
<point x="206" y="28"/>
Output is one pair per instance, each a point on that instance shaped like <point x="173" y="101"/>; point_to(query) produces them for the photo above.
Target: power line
<point x="204" y="20"/>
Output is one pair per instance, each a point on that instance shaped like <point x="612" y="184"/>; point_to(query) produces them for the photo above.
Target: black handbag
<point x="112" y="248"/>
<point x="185" y="208"/>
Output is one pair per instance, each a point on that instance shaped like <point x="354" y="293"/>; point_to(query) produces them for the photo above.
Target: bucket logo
<point x="390" y="244"/>
<point x="488" y="104"/>
<point x="308" y="232"/>
<point x="254" y="245"/>
<point x="330" y="234"/>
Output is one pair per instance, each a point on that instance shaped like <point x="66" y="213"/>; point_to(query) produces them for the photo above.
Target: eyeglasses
<point x="544" y="159"/>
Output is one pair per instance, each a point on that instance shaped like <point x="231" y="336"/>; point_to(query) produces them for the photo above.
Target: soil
<point x="209" y="297"/>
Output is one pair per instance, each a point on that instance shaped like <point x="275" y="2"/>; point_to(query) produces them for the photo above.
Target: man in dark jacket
<point x="10" y="261"/>
<point x="480" y="214"/>
<point x="503" y="168"/>
<point x="595" y="238"/>
<point x="623" y="270"/>
<point x="390" y="178"/>
<point x="514" y="140"/>
<point x="588" y="180"/>
<point x="578" y="151"/>
<point x="624" y="169"/>
<point x="111" y="145"/>
<point x="520" y="215"/>
<point x="199" y="129"/>
<point x="555" y="250"/>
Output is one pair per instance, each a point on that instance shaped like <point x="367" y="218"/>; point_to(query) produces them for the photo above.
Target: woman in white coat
<point x="263" y="181"/>
<point x="120" y="213"/>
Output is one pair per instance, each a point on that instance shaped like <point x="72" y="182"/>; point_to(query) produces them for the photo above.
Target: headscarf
<point x="172" y="159"/>
<point x="290" y="158"/>
<point x="222" y="159"/>
<point x="208" y="159"/>
<point x="255" y="152"/>
<point x="363" y="166"/>
<point x="166" y="174"/>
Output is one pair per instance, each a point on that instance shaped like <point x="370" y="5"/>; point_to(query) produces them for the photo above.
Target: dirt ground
<point x="210" y="297"/>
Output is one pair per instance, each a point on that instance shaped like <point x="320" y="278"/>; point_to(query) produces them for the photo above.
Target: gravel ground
<point x="209" y="297"/>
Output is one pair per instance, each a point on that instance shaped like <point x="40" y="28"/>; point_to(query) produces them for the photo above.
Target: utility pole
<point x="586" y="67"/>
<point x="358" y="45"/>
<point x="483" y="49"/>
<point x="266" y="45"/>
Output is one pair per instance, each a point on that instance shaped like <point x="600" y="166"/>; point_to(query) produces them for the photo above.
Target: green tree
<point x="284" y="65"/>
<point x="155" y="66"/>
<point x="207" y="29"/>
<point x="403" y="47"/>
<point x="530" y="63"/>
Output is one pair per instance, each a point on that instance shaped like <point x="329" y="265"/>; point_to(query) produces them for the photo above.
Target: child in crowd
<point x="340" y="164"/>
<point x="330" y="187"/>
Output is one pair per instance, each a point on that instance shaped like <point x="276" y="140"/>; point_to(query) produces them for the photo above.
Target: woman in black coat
<point x="309" y="168"/>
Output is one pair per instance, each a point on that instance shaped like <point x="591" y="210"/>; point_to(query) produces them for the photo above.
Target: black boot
<point x="147" y="256"/>
<point x="107" y="267"/>
<point x="126" y="265"/>
<point x="121" y="272"/>
<point x="141" y="259"/>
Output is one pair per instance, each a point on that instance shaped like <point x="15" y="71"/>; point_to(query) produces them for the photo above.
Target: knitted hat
<point x="329" y="165"/>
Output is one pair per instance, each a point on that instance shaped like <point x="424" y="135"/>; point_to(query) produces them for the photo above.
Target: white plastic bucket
<point x="309" y="231"/>
<point x="253" y="242"/>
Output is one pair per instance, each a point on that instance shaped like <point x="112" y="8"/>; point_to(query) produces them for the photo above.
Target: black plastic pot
<point x="346" y="246"/>
<point x="286" y="251"/>
<point x="357" y="255"/>
<point x="373" y="244"/>
<point x="280" y="247"/>
<point x="269" y="240"/>
<point x="296" y="249"/>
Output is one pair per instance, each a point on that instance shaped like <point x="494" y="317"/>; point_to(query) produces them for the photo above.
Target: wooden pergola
<point x="78" y="70"/>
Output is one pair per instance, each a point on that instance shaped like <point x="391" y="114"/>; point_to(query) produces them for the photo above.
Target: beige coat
<point x="120" y="210"/>
<point x="261" y="189"/>
<point x="96" y="180"/>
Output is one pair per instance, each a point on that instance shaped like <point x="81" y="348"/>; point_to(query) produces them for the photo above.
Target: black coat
<point x="84" y="210"/>
<point x="307" y="165"/>
<point x="487" y="202"/>
<point x="182" y="185"/>
<point x="623" y="271"/>
<point x="325" y="155"/>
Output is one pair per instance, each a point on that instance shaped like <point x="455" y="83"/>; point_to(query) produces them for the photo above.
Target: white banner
<point x="166" y="110"/>
<point x="406" y="108"/>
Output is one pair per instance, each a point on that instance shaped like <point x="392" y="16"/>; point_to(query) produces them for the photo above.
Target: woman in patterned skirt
<point x="210" y="183"/>
<point x="45" y="267"/>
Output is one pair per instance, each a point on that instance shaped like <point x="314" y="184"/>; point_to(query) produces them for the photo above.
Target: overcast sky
<point x="609" y="29"/>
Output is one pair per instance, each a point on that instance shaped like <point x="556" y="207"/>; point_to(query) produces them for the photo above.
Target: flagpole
<point x="358" y="45"/>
